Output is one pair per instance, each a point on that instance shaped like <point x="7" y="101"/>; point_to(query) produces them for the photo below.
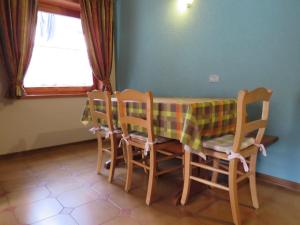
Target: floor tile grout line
<point x="53" y="217"/>
<point x="74" y="218"/>
<point x="247" y="213"/>
<point x="15" y="216"/>
<point x="63" y="192"/>
<point x="81" y="204"/>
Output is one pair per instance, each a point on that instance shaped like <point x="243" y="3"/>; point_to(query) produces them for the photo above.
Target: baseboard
<point x="291" y="185"/>
<point x="39" y="150"/>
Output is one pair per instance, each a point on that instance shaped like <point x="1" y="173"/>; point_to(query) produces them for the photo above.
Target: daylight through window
<point x="59" y="56"/>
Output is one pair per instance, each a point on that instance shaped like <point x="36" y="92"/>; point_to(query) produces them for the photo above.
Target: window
<point x="59" y="63"/>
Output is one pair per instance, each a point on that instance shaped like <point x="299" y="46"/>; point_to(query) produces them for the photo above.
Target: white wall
<point x="27" y="124"/>
<point x="35" y="123"/>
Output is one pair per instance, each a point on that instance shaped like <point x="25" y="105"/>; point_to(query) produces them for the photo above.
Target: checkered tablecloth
<point x="184" y="119"/>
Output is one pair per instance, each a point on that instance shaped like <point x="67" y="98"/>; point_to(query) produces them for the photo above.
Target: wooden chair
<point x="145" y="142"/>
<point x="104" y="132"/>
<point x="232" y="149"/>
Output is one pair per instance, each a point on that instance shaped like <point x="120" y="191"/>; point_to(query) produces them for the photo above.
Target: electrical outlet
<point x="213" y="78"/>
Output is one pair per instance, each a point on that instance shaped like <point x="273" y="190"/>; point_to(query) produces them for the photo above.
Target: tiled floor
<point x="60" y="187"/>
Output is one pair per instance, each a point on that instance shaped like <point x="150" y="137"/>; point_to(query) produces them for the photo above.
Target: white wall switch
<point x="214" y="78"/>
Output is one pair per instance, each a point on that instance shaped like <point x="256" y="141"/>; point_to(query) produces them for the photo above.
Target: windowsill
<point x="33" y="96"/>
<point x="56" y="92"/>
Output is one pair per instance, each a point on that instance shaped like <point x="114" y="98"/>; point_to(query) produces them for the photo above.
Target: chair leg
<point x="100" y="154"/>
<point x="187" y="174"/>
<point x="152" y="176"/>
<point x="113" y="158"/>
<point x="129" y="168"/>
<point x="182" y="161"/>
<point x="124" y="152"/>
<point x="252" y="181"/>
<point x="214" y="176"/>
<point x="233" y="191"/>
<point x="144" y="162"/>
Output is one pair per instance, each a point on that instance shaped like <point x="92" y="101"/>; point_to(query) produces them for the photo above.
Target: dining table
<point x="188" y="120"/>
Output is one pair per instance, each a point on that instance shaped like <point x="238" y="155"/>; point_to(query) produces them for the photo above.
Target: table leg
<point x="196" y="187"/>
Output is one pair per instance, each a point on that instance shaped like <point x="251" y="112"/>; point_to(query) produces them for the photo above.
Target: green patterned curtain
<point x="17" y="32"/>
<point x="97" y="25"/>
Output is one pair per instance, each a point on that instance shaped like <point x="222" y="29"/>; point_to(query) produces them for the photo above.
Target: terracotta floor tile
<point x="67" y="210"/>
<point x="30" y="181"/>
<point x="89" y="178"/>
<point x="90" y="158"/>
<point x="74" y="162"/>
<point x="284" y="207"/>
<point x="96" y="212"/>
<point x="168" y="208"/>
<point x="133" y="199"/>
<point x="59" y="186"/>
<point x="124" y="220"/>
<point x="148" y="215"/>
<point x="8" y="218"/>
<point x="82" y="169"/>
<point x="77" y="197"/>
<point x="53" y="176"/>
<point x="44" y="168"/>
<point x="27" y="196"/>
<point x="166" y="188"/>
<point x="220" y="211"/>
<point x="12" y="166"/>
<point x="139" y="178"/>
<point x="266" y="217"/>
<point x="14" y="175"/>
<point x="57" y="220"/>
<point x="243" y="194"/>
<point x="104" y="188"/>
<point x="284" y="198"/>
<point x="39" y="157"/>
<point x="31" y="213"/>
<point x="120" y="173"/>
<point x="199" y="202"/>
<point x="243" y="191"/>
<point x="2" y="191"/>
<point x="3" y="203"/>
<point x="195" y="221"/>
<point x="60" y="157"/>
<point x="20" y="183"/>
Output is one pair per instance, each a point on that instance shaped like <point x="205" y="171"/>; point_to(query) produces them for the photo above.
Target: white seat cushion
<point x="105" y="131"/>
<point x="142" y="137"/>
<point x="225" y="143"/>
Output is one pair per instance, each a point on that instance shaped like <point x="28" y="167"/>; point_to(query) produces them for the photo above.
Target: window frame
<point x="66" y="8"/>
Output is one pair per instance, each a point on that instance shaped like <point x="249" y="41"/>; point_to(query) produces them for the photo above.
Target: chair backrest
<point x="146" y="98"/>
<point x="98" y="96"/>
<point x="243" y="127"/>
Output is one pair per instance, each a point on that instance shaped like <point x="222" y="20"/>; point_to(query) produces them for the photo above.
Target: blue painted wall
<point x="249" y="43"/>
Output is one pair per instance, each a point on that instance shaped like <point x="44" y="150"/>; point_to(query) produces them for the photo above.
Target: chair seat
<point x="142" y="137"/>
<point x="224" y="143"/>
<point x="105" y="132"/>
<point x="161" y="143"/>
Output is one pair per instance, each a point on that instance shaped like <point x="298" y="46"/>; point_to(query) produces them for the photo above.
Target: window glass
<point x="59" y="57"/>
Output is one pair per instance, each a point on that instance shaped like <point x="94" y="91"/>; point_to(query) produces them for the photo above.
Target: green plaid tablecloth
<point x="184" y="119"/>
